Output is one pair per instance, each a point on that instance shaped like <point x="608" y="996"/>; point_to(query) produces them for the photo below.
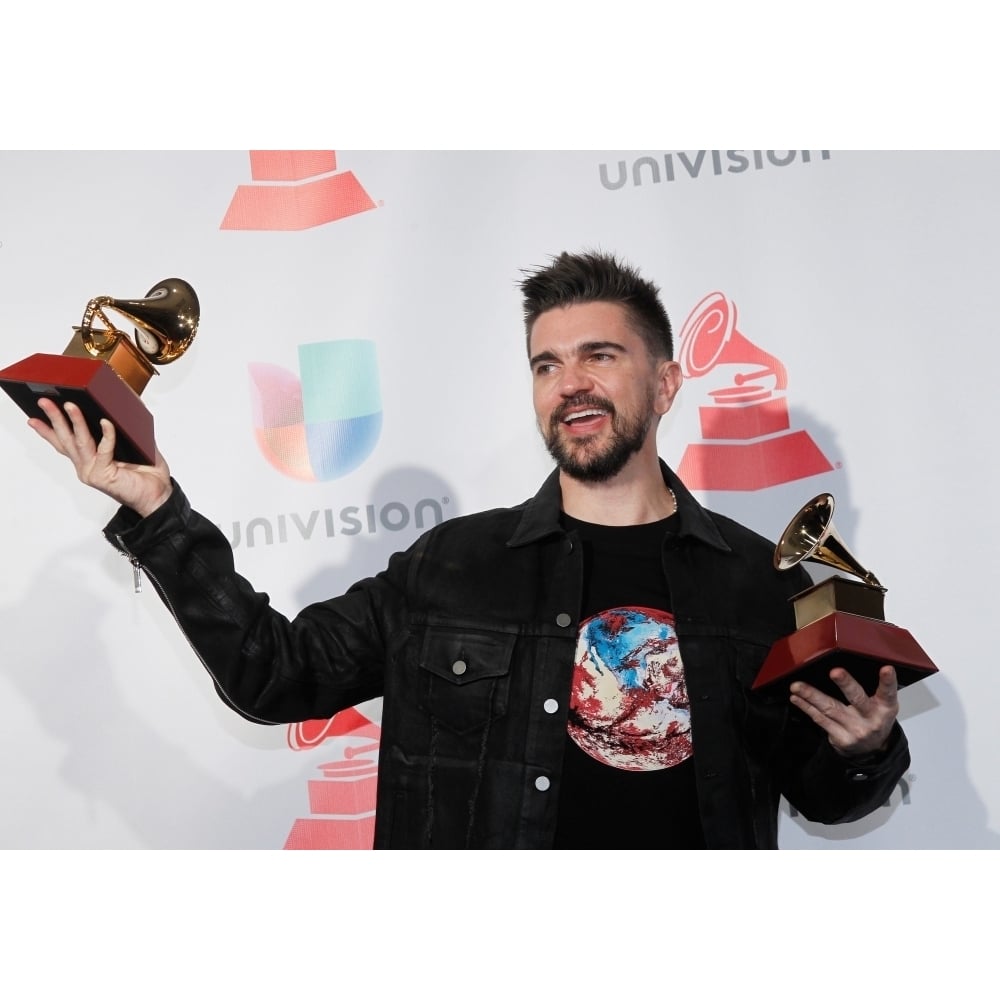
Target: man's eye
<point x="544" y="369"/>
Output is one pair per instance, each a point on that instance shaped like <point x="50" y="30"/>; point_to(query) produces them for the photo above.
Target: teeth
<point x="584" y="413"/>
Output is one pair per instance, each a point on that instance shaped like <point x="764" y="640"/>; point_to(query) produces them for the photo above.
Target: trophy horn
<point x="811" y="536"/>
<point x="166" y="321"/>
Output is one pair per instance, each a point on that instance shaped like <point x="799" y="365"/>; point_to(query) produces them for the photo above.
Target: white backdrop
<point x="867" y="275"/>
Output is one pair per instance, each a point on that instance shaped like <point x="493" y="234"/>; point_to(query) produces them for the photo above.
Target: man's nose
<point x="575" y="379"/>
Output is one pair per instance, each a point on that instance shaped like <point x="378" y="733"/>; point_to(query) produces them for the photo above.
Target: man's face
<point x="597" y="392"/>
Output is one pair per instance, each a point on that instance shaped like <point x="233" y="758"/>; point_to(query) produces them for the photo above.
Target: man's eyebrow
<point x="599" y="345"/>
<point x="543" y="356"/>
<point x="587" y="347"/>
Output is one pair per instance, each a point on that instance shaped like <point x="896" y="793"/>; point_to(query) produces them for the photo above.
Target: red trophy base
<point x="95" y="387"/>
<point x="858" y="644"/>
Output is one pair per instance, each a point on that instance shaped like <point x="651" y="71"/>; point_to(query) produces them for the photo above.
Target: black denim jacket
<point x="469" y="637"/>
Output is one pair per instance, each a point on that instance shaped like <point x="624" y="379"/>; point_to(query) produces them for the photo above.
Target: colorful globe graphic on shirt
<point x="629" y="705"/>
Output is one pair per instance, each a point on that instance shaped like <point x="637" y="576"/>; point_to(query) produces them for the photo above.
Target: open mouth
<point x="584" y="420"/>
<point x="583" y="415"/>
<point x="574" y="418"/>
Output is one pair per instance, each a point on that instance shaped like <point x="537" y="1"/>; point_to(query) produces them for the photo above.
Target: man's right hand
<point x="141" y="487"/>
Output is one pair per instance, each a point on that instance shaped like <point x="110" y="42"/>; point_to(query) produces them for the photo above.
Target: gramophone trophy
<point x="838" y="622"/>
<point x="103" y="371"/>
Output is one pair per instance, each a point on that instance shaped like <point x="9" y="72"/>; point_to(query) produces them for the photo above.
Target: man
<point x="572" y="672"/>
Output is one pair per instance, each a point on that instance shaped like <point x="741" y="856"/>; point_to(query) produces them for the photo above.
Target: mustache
<point x="582" y="399"/>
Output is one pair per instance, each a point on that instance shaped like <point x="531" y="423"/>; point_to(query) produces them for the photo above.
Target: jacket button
<point x="459" y="667"/>
<point x="542" y="783"/>
<point x="551" y="706"/>
<point x="562" y="620"/>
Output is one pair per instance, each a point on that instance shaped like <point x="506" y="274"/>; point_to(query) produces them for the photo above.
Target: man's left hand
<point x="862" y="725"/>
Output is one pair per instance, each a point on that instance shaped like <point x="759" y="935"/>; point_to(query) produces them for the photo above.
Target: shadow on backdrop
<point x="106" y="752"/>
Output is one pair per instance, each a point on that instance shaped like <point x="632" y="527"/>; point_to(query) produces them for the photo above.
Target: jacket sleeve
<point x="827" y="787"/>
<point x="268" y="668"/>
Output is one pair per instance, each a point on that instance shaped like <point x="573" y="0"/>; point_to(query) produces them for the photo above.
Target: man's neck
<point x="637" y="495"/>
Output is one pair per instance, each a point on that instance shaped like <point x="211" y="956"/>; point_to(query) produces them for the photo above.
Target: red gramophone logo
<point x="295" y="189"/>
<point x="748" y="440"/>
<point x="342" y="800"/>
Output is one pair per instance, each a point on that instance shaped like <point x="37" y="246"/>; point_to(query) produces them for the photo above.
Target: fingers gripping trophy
<point x="103" y="370"/>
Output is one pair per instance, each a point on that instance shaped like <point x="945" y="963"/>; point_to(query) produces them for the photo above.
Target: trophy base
<point x="838" y="594"/>
<point x="860" y="645"/>
<point x="95" y="387"/>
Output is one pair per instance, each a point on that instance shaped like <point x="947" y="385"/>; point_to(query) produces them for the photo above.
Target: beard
<point x="582" y="458"/>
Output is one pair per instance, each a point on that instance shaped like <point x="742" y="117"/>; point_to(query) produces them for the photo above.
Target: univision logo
<point x="703" y="163"/>
<point x="396" y="515"/>
<point x="326" y="423"/>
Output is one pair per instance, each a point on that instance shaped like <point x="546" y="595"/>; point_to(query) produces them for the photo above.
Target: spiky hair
<point x="593" y="276"/>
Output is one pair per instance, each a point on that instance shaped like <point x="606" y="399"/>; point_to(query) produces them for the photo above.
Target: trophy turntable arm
<point x="97" y="342"/>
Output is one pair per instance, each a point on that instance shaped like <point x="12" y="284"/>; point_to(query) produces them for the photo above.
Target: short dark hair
<point x="592" y="276"/>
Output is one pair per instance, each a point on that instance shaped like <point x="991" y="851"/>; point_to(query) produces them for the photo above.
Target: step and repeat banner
<point x="835" y="318"/>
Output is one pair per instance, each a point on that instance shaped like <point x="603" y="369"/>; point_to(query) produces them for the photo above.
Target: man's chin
<point x="586" y="475"/>
<point x="597" y="469"/>
<point x="588" y="460"/>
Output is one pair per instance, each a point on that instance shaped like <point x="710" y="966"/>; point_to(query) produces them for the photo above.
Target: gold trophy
<point x="838" y="622"/>
<point x="103" y="371"/>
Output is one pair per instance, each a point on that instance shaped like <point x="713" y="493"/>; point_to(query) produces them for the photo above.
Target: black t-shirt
<point x="628" y="776"/>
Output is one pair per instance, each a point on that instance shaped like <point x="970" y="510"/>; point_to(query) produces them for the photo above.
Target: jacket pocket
<point x="465" y="676"/>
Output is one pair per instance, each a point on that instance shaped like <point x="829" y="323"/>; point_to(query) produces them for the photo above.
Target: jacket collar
<point x="540" y="515"/>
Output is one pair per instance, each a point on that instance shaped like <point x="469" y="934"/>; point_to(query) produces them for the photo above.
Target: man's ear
<point x="669" y="379"/>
